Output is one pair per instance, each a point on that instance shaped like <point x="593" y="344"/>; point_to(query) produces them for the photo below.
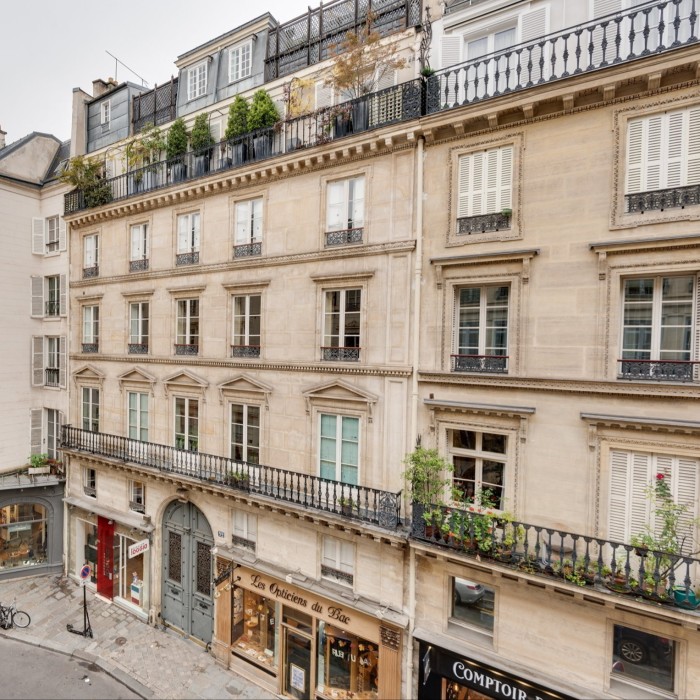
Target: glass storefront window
<point x="253" y="630"/>
<point x="129" y="573"/>
<point x="23" y="535"/>
<point x="348" y="666"/>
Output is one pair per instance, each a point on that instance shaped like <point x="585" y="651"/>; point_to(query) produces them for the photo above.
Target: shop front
<point x="119" y="558"/>
<point x="302" y="644"/>
<point x="449" y="676"/>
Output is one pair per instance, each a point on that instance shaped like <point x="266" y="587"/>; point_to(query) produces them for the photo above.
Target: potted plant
<point x="154" y="144"/>
<point x="238" y="480"/>
<point x="201" y="141"/>
<point x="347" y="505"/>
<point x="39" y="464"/>
<point x="236" y="127"/>
<point x="425" y="473"/>
<point x="263" y="115"/>
<point x="507" y="212"/>
<point x="85" y="174"/>
<point x="426" y="71"/>
<point x="175" y="149"/>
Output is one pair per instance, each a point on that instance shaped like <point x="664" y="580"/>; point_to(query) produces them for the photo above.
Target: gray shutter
<point x="35" y="437"/>
<point x="62" y="366"/>
<point x="37" y="360"/>
<point x="62" y="244"/>
<point x="63" y="300"/>
<point x="38" y="242"/>
<point x="37" y="296"/>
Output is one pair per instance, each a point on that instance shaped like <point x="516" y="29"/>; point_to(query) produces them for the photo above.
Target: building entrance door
<point x="297" y="666"/>
<point x="105" y="557"/>
<point x="187" y="601"/>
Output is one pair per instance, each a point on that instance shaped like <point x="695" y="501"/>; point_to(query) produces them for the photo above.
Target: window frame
<point x="137" y="496"/>
<point x="184" y="323"/>
<point x="53" y="441"/>
<point x="241" y="341"/>
<point x="187" y="435"/>
<point x="237" y="50"/>
<point x="140" y="414"/>
<point x="90" y="482"/>
<point x="338" y="560"/>
<point x="248" y="226"/>
<point x="105" y="113"/>
<point x="244" y="529"/>
<point x="139" y="342"/>
<point x="465" y="626"/>
<point x="90" y="329"/>
<point x="245" y="432"/>
<point x="197" y="78"/>
<point x="342" y="352"/>
<point x="188" y="231"/>
<point x="91" y="252"/>
<point x="53" y="242"/>
<point x="338" y="439"/>
<point x="139" y="241"/>
<point x="90" y="400"/>
<point x="347" y="203"/>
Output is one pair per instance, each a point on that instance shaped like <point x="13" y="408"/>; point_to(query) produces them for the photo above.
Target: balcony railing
<point x="53" y="308"/>
<point x="350" y="236"/>
<point x="334" y="354"/>
<point x="361" y="503"/>
<point x="671" y="198"/>
<point x="247" y="250"/>
<point x="138" y="265"/>
<point x="137" y="506"/>
<point x="90" y="347"/>
<point x="483" y="223"/>
<point x="486" y="364"/>
<point x="89" y="272"/>
<point x="191" y="258"/>
<point x="186" y="348"/>
<point x="138" y="348"/>
<point x="245" y="351"/>
<point x="657" y="576"/>
<point x="614" y="39"/>
<point x="51" y="374"/>
<point x="657" y="370"/>
<point x="243" y="542"/>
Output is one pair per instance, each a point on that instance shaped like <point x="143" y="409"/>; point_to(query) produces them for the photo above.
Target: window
<point x="345" y="211"/>
<point x="239" y="65"/>
<point x="338" y="563"/>
<point x="91" y="328"/>
<point x="187" y="337"/>
<point x="139" y="248"/>
<point x="91" y="256"/>
<point x="138" y="327"/>
<point x="663" y="152"/>
<point x="138" y="416"/>
<point x="632" y="474"/>
<point x="248" y="236"/>
<point x="25" y="536"/>
<point x="479" y="466"/>
<point x="186" y="424"/>
<point x="90" y="482"/>
<point x="91" y="409"/>
<point x="485" y="187"/>
<point x="643" y="657"/>
<point x="245" y="529"/>
<point x="481" y="330"/>
<point x="48" y="360"/>
<point x="105" y="114"/>
<point x="657" y="328"/>
<point x="53" y="360"/>
<point x="339" y="448"/>
<point x="341" y="325"/>
<point x="472" y="603"/>
<point x="245" y="433"/>
<point x="53" y="295"/>
<point x="246" y="326"/>
<point x="137" y="496"/>
<point x="197" y="80"/>
<point x="52" y="234"/>
<point x="53" y="432"/>
<point x="187" y="239"/>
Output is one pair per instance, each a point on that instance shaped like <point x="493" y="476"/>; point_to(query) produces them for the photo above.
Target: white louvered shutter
<point x="654" y="156"/>
<point x="35" y="429"/>
<point x="37" y="360"/>
<point x="533" y="26"/>
<point x="600" y="9"/>
<point x="619" y="501"/>
<point x="243" y="223"/>
<point x="675" y="155"/>
<point x="451" y="50"/>
<point x="464" y="175"/>
<point x="605" y="7"/>
<point x="358" y="201"/>
<point x="635" y="135"/>
<point x="195" y="231"/>
<point x="476" y="186"/>
<point x="62" y="240"/>
<point x="696" y="355"/>
<point x="62" y="361"/>
<point x="687" y="495"/>
<point x="347" y="557"/>
<point x="37" y="296"/>
<point x="63" y="295"/>
<point x="335" y="210"/>
<point x="640" y="510"/>
<point x="38" y="241"/>
<point x="498" y="179"/>
<point x="663" y="464"/>
<point x="183" y="223"/>
<point x="692" y="174"/>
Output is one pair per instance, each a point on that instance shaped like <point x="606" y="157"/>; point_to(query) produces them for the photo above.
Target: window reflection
<point x="23" y="535"/>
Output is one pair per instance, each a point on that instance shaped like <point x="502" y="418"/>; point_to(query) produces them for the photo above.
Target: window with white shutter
<point x="38" y="243"/>
<point x="485" y="184"/>
<point x="37" y="360"/>
<point x="36" y="416"/>
<point x="632" y="475"/>
<point x="37" y="289"/>
<point x="62" y="295"/>
<point x="338" y="562"/>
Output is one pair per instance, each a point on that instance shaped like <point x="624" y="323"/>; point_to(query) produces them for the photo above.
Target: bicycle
<point x="11" y="617"/>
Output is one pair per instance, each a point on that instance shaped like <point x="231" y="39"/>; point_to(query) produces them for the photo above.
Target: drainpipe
<point x="413" y="423"/>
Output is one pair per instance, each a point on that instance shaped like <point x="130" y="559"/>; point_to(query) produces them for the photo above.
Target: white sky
<point x="49" y="47"/>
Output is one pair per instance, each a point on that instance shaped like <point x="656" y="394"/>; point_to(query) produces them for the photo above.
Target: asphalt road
<point x="29" y="672"/>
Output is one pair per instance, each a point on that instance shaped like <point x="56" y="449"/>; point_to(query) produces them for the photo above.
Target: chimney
<point x="2" y="137"/>
<point x="99" y="87"/>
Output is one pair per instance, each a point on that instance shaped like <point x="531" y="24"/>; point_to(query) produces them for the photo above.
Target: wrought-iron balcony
<point x="138" y="348"/>
<point x="89" y="272"/>
<point x="658" y="200"/>
<point x="53" y="308"/>
<point x="247" y="250"/>
<point x="611" y="40"/>
<point x="137" y="506"/>
<point x="484" y="223"/>
<point x="186" y="348"/>
<point x="337" y="574"/>
<point x="90" y="347"/>
<point x="361" y="503"/>
<point x="485" y="364"/>
<point x="245" y="351"/>
<point x="191" y="258"/>
<point x="90" y="491"/>
<point x="51" y="376"/>
<point x="243" y="542"/>
<point x="657" y="370"/>
<point x="52" y="246"/>
<point x="350" y="236"/>
<point x="605" y="565"/>
<point x="332" y="354"/>
<point x="138" y="265"/>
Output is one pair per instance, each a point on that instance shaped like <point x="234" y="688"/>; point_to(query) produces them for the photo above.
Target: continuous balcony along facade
<point x="360" y="503"/>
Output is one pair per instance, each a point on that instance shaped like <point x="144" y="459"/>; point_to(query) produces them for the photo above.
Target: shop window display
<point x="253" y="631"/>
<point x="348" y="666"/>
<point x="455" y="691"/>
<point x="23" y="535"/>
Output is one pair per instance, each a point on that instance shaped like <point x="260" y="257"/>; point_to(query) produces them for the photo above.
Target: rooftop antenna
<point x="117" y="62"/>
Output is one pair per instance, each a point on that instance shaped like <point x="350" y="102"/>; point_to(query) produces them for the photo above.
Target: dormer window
<point x="239" y="62"/>
<point x="197" y="80"/>
<point x="105" y="114"/>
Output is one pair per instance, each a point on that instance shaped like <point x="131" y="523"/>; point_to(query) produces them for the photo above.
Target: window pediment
<point x="184" y="380"/>
<point x="88" y="374"/>
<point x="336" y="393"/>
<point x="244" y="386"/>
<point x="137" y="376"/>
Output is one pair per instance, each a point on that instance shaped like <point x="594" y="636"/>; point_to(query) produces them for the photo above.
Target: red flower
<point x="659" y="476"/>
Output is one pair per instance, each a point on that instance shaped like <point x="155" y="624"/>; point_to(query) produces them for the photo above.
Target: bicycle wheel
<point x="21" y="619"/>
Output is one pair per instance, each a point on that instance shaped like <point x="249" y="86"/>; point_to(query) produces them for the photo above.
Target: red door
<point x="105" y="556"/>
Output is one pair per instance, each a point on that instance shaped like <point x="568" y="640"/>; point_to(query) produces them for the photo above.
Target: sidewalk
<point x="152" y="662"/>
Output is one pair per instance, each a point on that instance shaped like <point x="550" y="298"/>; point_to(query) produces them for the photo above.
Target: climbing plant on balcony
<point x="86" y="174"/>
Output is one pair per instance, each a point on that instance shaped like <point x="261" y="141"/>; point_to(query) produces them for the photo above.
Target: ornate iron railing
<point x="51" y="374"/>
<point x="617" y="38"/>
<point x="191" y="258"/>
<point x="312" y="37"/>
<point x="53" y="308"/>
<point x="138" y="348"/>
<point x="657" y="370"/>
<point x="157" y="106"/>
<point x="90" y="491"/>
<point x="246" y="250"/>
<point x="483" y="223"/>
<point x="583" y="560"/>
<point x="137" y="506"/>
<point x="488" y="364"/>
<point x="348" y="236"/>
<point x="671" y="198"/>
<point x="89" y="272"/>
<point x="330" y="572"/>
<point x="138" y="265"/>
<point x="333" y="354"/>
<point x="90" y="347"/>
<point x="245" y="351"/>
<point x="243" y="542"/>
<point x="186" y="348"/>
<point x="361" y="503"/>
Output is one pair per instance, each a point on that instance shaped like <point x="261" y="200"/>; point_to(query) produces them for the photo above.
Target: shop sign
<point x="138" y="548"/>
